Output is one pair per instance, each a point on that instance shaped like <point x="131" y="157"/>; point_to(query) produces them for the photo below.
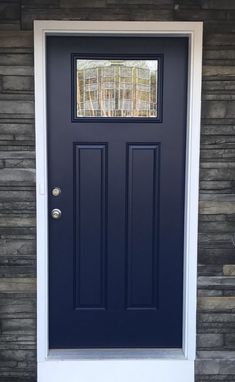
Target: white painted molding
<point x="158" y="365"/>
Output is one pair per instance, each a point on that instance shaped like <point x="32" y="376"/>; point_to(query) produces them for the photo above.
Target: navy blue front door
<point x="116" y="150"/>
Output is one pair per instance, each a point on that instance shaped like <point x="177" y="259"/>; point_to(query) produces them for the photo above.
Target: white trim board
<point x="157" y="365"/>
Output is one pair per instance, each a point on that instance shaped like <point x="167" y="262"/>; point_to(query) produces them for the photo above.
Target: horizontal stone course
<point x="215" y="366"/>
<point x="16" y="59"/>
<point x="219" y="39"/>
<point x="229" y="270"/>
<point x="218" y="109"/>
<point x="214" y="281"/>
<point x="16" y="39"/>
<point x="216" y="256"/>
<point x="19" y="247"/>
<point x="18" y="107"/>
<point x="210" y="341"/>
<point x="218" y="71"/>
<point x="17" y="284"/>
<point x="17" y="176"/>
<point x="16" y="128"/>
<point x="219" y="304"/>
<point x="16" y="70"/>
<point x="217" y="174"/>
<point x="218" y="4"/>
<point x="213" y="207"/>
<point x="17" y="83"/>
<point x="218" y="187"/>
<point x="92" y="3"/>
<point x="134" y="12"/>
<point x="209" y="240"/>
<point x="9" y="10"/>
<point x="218" y="142"/>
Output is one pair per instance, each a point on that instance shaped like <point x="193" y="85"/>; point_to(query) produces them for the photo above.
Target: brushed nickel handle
<point x="56" y="213"/>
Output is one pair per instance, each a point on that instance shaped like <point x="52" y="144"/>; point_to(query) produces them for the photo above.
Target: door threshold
<point x="74" y="354"/>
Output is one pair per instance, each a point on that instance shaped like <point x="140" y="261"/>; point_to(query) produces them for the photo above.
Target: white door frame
<point x="135" y="365"/>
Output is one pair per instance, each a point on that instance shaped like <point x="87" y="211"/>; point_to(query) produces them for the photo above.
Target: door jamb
<point x="192" y="30"/>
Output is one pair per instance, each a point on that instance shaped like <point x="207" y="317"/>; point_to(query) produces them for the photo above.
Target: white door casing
<point x="163" y="365"/>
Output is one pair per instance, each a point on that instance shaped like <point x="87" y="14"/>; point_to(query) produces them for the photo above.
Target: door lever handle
<point x="56" y="213"/>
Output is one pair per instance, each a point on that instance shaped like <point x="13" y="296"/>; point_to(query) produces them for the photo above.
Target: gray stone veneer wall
<point x="216" y="267"/>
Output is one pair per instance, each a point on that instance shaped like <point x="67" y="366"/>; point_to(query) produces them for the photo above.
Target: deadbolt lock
<point x="56" y="191"/>
<point x="56" y="213"/>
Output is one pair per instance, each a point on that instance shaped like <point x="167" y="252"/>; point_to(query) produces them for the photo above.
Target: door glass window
<point x="116" y="88"/>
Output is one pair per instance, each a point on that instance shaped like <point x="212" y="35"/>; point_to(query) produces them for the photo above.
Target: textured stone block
<point x="18" y="325"/>
<point x="216" y="186"/>
<point x="213" y="207"/>
<point x="17" y="83"/>
<point x="11" y="196"/>
<point x="17" y="355"/>
<point x="229" y="270"/>
<point x="17" y="247"/>
<point x="17" y="221"/>
<point x="19" y="339"/>
<point x="218" y="71"/>
<point x="19" y="163"/>
<point x="221" y="130"/>
<point x="17" y="176"/>
<point x="26" y="233"/>
<point x="17" y="129"/>
<point x="210" y="270"/>
<point x="16" y="70"/>
<point x="218" y="142"/>
<point x="207" y="227"/>
<point x="42" y="3"/>
<point x="16" y="107"/>
<point x="215" y="86"/>
<point x="184" y="13"/>
<point x="219" y="54"/>
<point x="17" y="285"/>
<point x="219" y="39"/>
<point x="218" y="155"/>
<point x="10" y="25"/>
<point x="23" y="261"/>
<point x="16" y="39"/>
<point x="17" y="59"/>
<point x="216" y="317"/>
<point x="230" y="340"/>
<point x="13" y="207"/>
<point x="83" y="3"/>
<point x="217" y="165"/>
<point x="136" y="12"/>
<point x="218" y="109"/>
<point x="216" y="256"/>
<point x="217" y="174"/>
<point x="216" y="282"/>
<point x="209" y="293"/>
<point x="216" y="304"/>
<point x="17" y="271"/>
<point x="215" y="366"/>
<point x="9" y="10"/>
<point x="218" y="4"/>
<point x="217" y="354"/>
<point x="210" y="340"/>
<point x="218" y="240"/>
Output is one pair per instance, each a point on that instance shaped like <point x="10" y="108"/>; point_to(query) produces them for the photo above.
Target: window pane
<point x="117" y="88"/>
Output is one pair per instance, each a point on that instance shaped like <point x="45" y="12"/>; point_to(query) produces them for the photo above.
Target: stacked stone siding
<point x="216" y="264"/>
